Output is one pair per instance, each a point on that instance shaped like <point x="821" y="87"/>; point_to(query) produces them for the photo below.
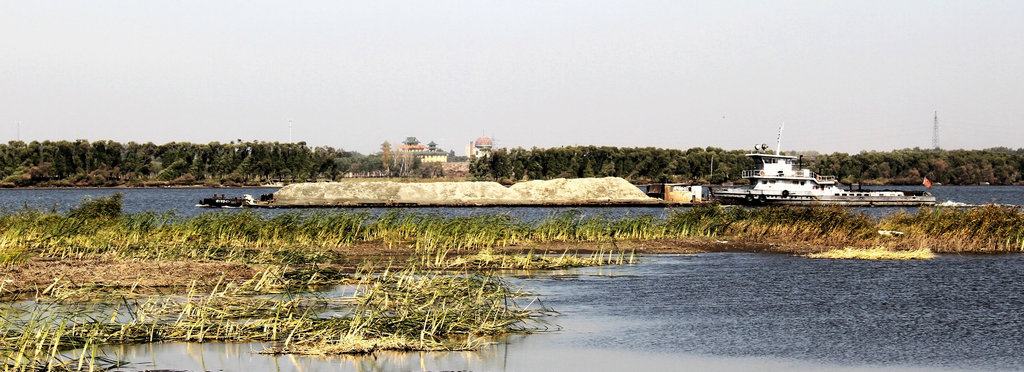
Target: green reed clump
<point x="103" y="207"/>
<point x="990" y="228"/>
<point x="572" y="226"/>
<point x="635" y="228"/>
<point x="704" y="221"/>
<point x="560" y="227"/>
<point x="806" y="224"/>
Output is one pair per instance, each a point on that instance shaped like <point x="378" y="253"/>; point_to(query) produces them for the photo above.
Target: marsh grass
<point x="98" y="227"/>
<point x="404" y="310"/>
<point x="986" y="229"/>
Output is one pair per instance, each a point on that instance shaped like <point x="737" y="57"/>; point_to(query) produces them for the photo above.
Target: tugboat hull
<point x="887" y="198"/>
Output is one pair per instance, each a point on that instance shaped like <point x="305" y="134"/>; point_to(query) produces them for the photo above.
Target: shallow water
<point x="721" y="311"/>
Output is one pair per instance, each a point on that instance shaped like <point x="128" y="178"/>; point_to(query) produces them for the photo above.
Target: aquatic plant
<point x="489" y="260"/>
<point x="404" y="310"/>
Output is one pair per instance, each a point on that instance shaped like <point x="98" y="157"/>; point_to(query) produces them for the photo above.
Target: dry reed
<point x="876" y="253"/>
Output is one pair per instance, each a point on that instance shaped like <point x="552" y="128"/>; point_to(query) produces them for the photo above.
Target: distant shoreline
<point x="138" y="187"/>
<point x="127" y="187"/>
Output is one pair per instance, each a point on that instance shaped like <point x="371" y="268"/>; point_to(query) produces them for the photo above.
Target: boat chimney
<point x="778" y="141"/>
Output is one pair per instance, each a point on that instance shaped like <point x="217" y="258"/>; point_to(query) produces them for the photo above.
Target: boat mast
<point x="778" y="141"/>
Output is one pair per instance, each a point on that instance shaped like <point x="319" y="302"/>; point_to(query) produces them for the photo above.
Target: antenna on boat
<point x="778" y="143"/>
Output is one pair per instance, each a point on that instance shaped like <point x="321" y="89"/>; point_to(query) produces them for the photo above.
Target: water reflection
<point x="513" y="355"/>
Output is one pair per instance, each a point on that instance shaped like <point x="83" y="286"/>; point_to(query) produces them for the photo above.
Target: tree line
<point x="109" y="163"/>
<point x="998" y="166"/>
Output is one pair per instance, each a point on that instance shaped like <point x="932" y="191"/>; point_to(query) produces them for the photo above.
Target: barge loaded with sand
<point x="609" y="191"/>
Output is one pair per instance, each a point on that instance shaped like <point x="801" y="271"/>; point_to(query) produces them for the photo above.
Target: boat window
<point x="802" y="183"/>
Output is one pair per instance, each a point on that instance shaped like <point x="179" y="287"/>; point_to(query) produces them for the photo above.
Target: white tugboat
<point x="780" y="179"/>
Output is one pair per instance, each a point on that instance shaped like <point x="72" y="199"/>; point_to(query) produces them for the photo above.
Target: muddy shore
<point x="39" y="273"/>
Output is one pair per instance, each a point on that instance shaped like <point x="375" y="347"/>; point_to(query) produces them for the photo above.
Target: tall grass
<point x="986" y="229"/>
<point x="98" y="227"/>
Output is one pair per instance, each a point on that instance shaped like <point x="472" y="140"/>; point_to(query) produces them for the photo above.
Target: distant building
<point x="433" y="154"/>
<point x="427" y="154"/>
<point x="481" y="147"/>
<point x="411" y="144"/>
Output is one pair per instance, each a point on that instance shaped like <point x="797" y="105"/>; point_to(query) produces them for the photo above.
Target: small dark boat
<point x="223" y="202"/>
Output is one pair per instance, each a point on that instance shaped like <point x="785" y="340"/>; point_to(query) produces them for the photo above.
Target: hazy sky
<point x="843" y="75"/>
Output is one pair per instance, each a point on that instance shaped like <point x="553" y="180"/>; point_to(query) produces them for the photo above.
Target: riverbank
<point x="97" y="245"/>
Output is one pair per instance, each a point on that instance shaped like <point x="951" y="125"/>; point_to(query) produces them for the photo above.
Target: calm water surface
<point x="183" y="201"/>
<point x="722" y="311"/>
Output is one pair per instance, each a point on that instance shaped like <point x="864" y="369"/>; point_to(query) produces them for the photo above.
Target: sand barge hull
<point x="610" y="191"/>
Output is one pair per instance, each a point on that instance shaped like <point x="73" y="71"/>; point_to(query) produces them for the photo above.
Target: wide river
<point x="714" y="311"/>
<point x="183" y="201"/>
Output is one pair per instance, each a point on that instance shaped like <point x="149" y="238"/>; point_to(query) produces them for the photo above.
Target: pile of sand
<point x="579" y="189"/>
<point x="583" y="190"/>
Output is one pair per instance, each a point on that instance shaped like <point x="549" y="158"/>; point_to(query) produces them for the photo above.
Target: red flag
<point x="927" y="183"/>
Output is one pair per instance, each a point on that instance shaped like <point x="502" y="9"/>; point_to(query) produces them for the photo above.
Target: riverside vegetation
<point x="418" y="281"/>
<point x="109" y="163"/>
<point x="997" y="166"/>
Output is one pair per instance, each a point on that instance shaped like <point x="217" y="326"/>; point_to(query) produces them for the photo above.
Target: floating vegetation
<point x="876" y="253"/>
<point x="488" y="260"/>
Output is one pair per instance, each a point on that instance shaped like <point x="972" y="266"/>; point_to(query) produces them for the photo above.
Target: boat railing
<point x="751" y="173"/>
